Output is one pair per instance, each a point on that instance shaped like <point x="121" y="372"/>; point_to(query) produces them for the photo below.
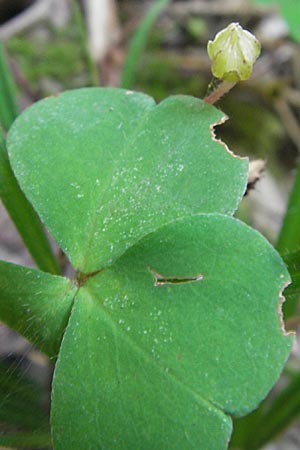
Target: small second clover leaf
<point x="105" y="167"/>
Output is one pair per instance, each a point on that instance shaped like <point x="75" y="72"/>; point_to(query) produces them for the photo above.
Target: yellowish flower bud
<point x="233" y="53"/>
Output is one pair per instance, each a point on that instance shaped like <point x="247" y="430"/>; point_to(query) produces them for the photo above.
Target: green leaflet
<point x="161" y="366"/>
<point x="36" y="304"/>
<point x="105" y="167"/>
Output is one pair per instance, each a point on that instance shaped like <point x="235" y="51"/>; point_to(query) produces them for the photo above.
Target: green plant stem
<point x="24" y="216"/>
<point x="139" y="41"/>
<point x="91" y="65"/>
<point x="8" y="102"/>
<point x="289" y="236"/>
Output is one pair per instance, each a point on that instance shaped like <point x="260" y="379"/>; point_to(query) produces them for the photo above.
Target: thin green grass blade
<point x="22" y="401"/>
<point x="283" y="410"/>
<point x="24" y="217"/>
<point x="138" y="42"/>
<point x="289" y="236"/>
<point x="292" y="292"/>
<point x="290" y="10"/>
<point x="243" y="428"/>
<point x="292" y="260"/>
<point x="24" y="416"/>
<point x="269" y="420"/>
<point x="80" y="25"/>
<point x="25" y="441"/>
<point x="8" y="102"/>
<point x="288" y="245"/>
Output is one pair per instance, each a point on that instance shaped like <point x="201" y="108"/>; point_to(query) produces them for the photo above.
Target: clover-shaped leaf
<point x="174" y="322"/>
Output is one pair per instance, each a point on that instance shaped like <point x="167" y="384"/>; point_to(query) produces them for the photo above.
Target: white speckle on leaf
<point x="75" y="185"/>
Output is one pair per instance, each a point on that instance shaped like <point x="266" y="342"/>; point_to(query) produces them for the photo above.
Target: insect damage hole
<point x="161" y="280"/>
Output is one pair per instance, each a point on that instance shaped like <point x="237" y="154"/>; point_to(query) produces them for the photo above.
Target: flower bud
<point x="233" y="53"/>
